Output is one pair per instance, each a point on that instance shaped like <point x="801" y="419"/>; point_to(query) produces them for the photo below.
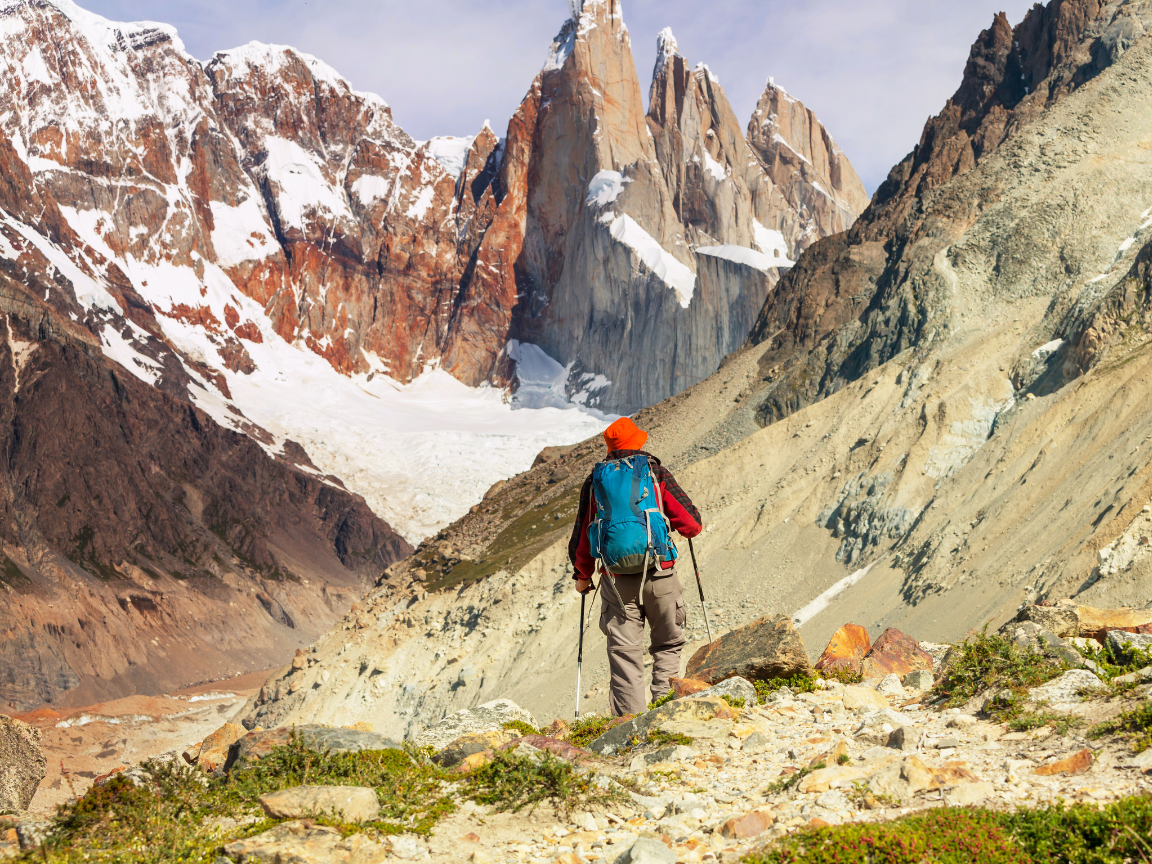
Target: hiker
<point x="627" y="506"/>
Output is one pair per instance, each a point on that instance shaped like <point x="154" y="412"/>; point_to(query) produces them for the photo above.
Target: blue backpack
<point x="630" y="528"/>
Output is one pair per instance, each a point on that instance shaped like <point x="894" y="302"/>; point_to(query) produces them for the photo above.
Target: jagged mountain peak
<point x="275" y="60"/>
<point x="97" y="30"/>
<point x="666" y="49"/>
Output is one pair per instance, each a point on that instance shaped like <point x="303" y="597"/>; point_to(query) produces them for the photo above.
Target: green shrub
<point x="659" y="738"/>
<point x="663" y="700"/>
<point x="511" y="782"/>
<point x="1135" y="725"/>
<point x="587" y="729"/>
<point x="985" y="662"/>
<point x="797" y="684"/>
<point x="736" y="702"/>
<point x="521" y="727"/>
<point x="1081" y="834"/>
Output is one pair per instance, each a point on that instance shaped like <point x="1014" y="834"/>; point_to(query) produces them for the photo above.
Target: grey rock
<point x="647" y="850"/>
<point x="257" y="745"/>
<point x="921" y="680"/>
<point x="664" y="754"/>
<point x="22" y="763"/>
<point x="890" y="686"/>
<point x="485" y="718"/>
<point x="1067" y="687"/>
<point x="672" y="712"/>
<point x="407" y="848"/>
<point x="1136" y="677"/>
<point x="1142" y="761"/>
<point x="961" y="721"/>
<point x="833" y="799"/>
<point x="1124" y="645"/>
<point x="350" y="803"/>
<point x="1060" y="620"/>
<point x="31" y="833"/>
<point x="736" y="688"/>
<point x="945" y="743"/>
<point x="755" y="742"/>
<point x="300" y="842"/>
<point x="904" y="738"/>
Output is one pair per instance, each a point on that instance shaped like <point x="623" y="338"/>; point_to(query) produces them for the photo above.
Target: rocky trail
<point x="725" y="769"/>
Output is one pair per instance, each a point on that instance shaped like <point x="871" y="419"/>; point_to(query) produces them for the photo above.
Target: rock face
<point x="765" y="649"/>
<point x="489" y="717"/>
<point x="22" y="763"/>
<point x="347" y="803"/>
<point x="845" y="650"/>
<point x="894" y="653"/>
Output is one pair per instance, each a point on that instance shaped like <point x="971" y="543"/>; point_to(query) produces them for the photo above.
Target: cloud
<point x="873" y="70"/>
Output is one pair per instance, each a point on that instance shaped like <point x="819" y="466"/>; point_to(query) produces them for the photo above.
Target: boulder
<point x="474" y="742"/>
<point x="259" y="744"/>
<point x="1095" y="623"/>
<point x="831" y="777"/>
<point x="1124" y="644"/>
<point x="677" y="753"/>
<point x="1067" y="687"/>
<point x="845" y="651"/>
<point x="894" y="653"/>
<point x="969" y="794"/>
<point x="349" y="803"/>
<point x="890" y="685"/>
<point x="22" y="763"/>
<point x="767" y="648"/>
<point x="678" y="710"/>
<point x="734" y="688"/>
<point x="488" y="717"/>
<point x="1061" y="620"/>
<point x="213" y="753"/>
<point x="686" y="686"/>
<point x="301" y="841"/>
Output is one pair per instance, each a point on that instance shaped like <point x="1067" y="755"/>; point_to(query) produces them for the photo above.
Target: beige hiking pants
<point x="663" y="609"/>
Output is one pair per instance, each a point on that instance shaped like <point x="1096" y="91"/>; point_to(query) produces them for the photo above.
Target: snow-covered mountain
<point x="255" y="236"/>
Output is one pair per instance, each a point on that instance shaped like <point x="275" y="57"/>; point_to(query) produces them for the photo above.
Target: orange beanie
<point x="624" y="435"/>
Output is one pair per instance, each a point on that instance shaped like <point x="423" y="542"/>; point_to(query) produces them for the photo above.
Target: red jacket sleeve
<point x="579" y="549"/>
<point x="678" y="507"/>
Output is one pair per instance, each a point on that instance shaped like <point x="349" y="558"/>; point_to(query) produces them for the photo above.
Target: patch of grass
<point x="1081" y="834"/>
<point x="736" y="702"/>
<point x="587" y="729"/>
<point x="659" y="738"/>
<point x="797" y="684"/>
<point x="792" y="780"/>
<point x="1019" y="720"/>
<point x="521" y="727"/>
<point x="663" y="700"/>
<point x="512" y="783"/>
<point x="1113" y="666"/>
<point x="843" y="676"/>
<point x="1135" y="725"/>
<point x="176" y="814"/>
<point x="843" y="759"/>
<point x="985" y="662"/>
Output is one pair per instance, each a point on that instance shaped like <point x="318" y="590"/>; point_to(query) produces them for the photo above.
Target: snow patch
<point x="772" y="244"/>
<point x="421" y="204"/>
<point x="241" y="233"/>
<point x="274" y="58"/>
<point x="561" y="48"/>
<point x="739" y="255"/>
<point x="451" y="152"/>
<point x="1047" y="349"/>
<point x="605" y="188"/>
<point x="303" y="186"/>
<point x="370" y="189"/>
<point x="675" y="275"/>
<point x="803" y="616"/>
<point x="714" y="168"/>
<point x="34" y="67"/>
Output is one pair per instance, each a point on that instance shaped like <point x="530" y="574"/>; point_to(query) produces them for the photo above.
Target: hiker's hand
<point x="582" y="585"/>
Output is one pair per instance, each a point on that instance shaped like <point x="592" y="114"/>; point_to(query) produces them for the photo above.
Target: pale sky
<point x="872" y="70"/>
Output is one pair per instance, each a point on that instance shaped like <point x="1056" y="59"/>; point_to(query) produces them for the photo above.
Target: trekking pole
<point x="580" y="654"/>
<point x="700" y="587"/>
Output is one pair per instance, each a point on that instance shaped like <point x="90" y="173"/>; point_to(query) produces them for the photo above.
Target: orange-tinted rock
<point x="687" y="686"/>
<point x="894" y="652"/>
<point x="749" y="825"/>
<point x="1078" y="763"/>
<point x="1095" y="623"/>
<point x="846" y="650"/>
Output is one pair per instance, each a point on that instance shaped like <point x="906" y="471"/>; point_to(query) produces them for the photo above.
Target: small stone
<point x="350" y="803"/>
<point x="903" y="738"/>
<point x="863" y="697"/>
<point x="191" y="754"/>
<point x="890" y="686"/>
<point x="22" y="763"/>
<point x="479" y="856"/>
<point x="568" y="858"/>
<point x="406" y="847"/>
<point x="649" y="851"/>
<point x="833" y="799"/>
<point x="921" y="680"/>
<point x="734" y="688"/>
<point x="749" y="825"/>
<point x="474" y="742"/>
<point x="755" y="742"/>
<point x="686" y="686"/>
<point x="961" y="721"/>
<point x="471" y="837"/>
<point x="1078" y="763"/>
<point x="969" y="794"/>
<point x="945" y="743"/>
